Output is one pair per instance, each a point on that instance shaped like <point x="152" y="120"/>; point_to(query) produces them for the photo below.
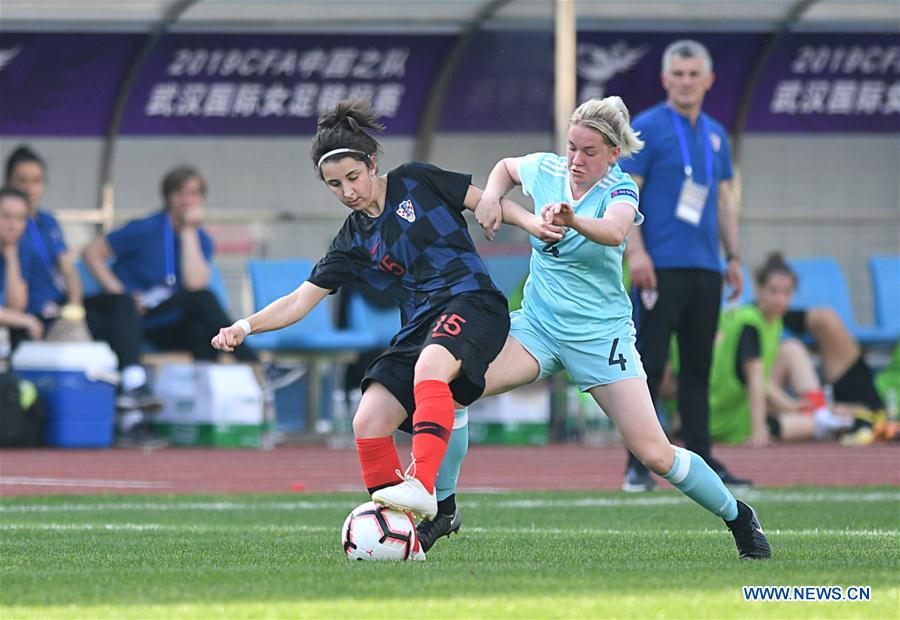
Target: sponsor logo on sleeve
<point x="624" y="191"/>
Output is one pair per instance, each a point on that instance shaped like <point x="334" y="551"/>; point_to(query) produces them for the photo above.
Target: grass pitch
<point x="534" y="555"/>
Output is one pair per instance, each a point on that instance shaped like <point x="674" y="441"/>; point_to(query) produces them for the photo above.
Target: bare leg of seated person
<point x="836" y="346"/>
<point x="807" y="416"/>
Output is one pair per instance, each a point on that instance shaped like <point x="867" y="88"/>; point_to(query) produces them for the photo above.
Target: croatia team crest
<point x="406" y="211"/>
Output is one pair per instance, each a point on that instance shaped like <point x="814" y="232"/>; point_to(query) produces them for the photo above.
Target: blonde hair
<point x="610" y="118"/>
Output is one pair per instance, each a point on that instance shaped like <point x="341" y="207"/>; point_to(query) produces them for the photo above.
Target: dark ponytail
<point x="22" y="154"/>
<point x="344" y="128"/>
<point x="775" y="263"/>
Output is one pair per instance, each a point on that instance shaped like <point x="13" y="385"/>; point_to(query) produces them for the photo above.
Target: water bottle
<point x="341" y="436"/>
<point x="268" y="433"/>
<point x="5" y="347"/>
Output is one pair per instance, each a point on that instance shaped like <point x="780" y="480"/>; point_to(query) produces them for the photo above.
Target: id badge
<point x="50" y="310"/>
<point x="155" y="296"/>
<point x="691" y="202"/>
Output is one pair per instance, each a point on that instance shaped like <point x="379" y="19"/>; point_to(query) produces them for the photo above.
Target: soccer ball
<point x="373" y="532"/>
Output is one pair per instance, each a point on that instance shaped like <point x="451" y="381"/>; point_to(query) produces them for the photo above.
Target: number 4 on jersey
<point x="613" y="360"/>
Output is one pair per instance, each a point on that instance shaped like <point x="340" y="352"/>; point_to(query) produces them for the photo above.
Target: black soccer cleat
<point x="441" y="525"/>
<point x="749" y="537"/>
<point x="141" y="398"/>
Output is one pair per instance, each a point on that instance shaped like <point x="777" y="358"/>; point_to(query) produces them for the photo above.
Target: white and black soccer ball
<point x="373" y="532"/>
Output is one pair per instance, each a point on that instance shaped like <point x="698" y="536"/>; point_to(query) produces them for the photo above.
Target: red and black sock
<point x="432" y="425"/>
<point x="379" y="462"/>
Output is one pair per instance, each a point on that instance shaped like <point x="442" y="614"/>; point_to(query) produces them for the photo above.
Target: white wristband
<point x="244" y="324"/>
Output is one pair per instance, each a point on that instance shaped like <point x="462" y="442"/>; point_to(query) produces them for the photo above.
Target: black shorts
<point x="774" y="425"/>
<point x="795" y="320"/>
<point x="473" y="327"/>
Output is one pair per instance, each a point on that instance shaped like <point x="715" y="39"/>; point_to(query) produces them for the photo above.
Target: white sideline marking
<point x="667" y="499"/>
<point x="158" y="527"/>
<point x="588" y="502"/>
<point x="76" y="482"/>
<point x="716" y="532"/>
<point x="836" y="496"/>
<point x="222" y="506"/>
<point x="750" y="495"/>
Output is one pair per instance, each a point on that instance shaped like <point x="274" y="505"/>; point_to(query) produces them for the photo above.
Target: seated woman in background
<point x="54" y="287"/>
<point x="753" y="369"/>
<point x="14" y="260"/>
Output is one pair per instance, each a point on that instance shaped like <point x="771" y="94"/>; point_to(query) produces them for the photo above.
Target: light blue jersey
<point x="574" y="291"/>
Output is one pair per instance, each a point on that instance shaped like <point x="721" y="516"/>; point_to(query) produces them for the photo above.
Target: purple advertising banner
<point x="252" y="84"/>
<point x="813" y="82"/>
<point x="211" y="84"/>
<point x="279" y="84"/>
<point x="830" y="83"/>
<point x="511" y="87"/>
<point x="503" y="83"/>
<point x="54" y="84"/>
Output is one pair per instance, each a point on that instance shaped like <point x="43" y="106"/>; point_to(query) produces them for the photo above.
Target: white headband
<point x="336" y="152"/>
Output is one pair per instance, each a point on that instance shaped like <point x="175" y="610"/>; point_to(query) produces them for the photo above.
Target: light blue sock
<point x="692" y="476"/>
<point x="448" y="474"/>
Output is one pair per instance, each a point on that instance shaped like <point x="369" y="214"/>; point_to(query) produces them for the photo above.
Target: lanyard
<point x="686" y="154"/>
<point x="170" y="251"/>
<point x="38" y="241"/>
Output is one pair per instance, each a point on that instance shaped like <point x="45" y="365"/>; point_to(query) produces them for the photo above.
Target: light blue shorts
<point x="600" y="361"/>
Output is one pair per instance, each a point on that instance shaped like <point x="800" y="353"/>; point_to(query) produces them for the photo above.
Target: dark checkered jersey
<point x="418" y="250"/>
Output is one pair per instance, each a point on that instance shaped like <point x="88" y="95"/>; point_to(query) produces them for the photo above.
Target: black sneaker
<point x="139" y="398"/>
<point x="441" y="525"/>
<point x="733" y="481"/>
<point x="749" y="537"/>
<point x="276" y="377"/>
<point x="638" y="480"/>
<point x="140" y="436"/>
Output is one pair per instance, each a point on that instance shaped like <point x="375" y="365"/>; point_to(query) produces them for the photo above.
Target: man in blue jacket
<point x="157" y="285"/>
<point x="685" y="175"/>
